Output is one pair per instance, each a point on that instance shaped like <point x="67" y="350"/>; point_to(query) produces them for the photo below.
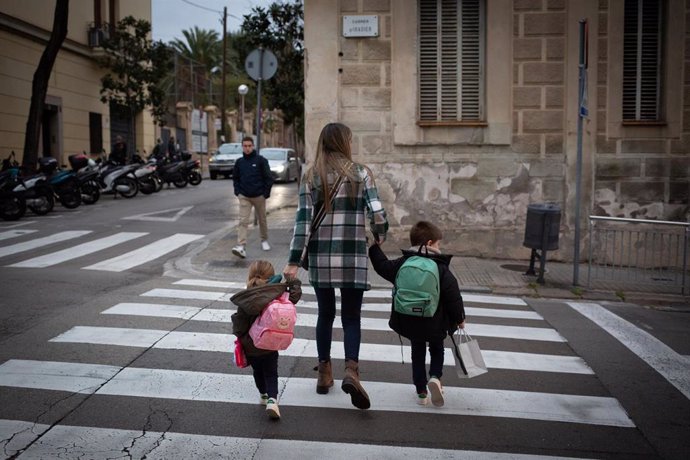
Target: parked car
<point x="223" y="161"/>
<point x="283" y="163"/>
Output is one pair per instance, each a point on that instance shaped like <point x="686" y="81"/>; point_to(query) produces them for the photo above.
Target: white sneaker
<point x="272" y="409"/>
<point x="422" y="399"/>
<point x="436" y="390"/>
<point x="239" y="251"/>
<point x="265" y="246"/>
<point x="263" y="399"/>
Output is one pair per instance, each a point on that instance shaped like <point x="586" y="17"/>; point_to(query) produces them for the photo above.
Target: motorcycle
<point x="146" y="175"/>
<point x="12" y="204"/>
<point x="193" y="169"/>
<point x="174" y="173"/>
<point x="86" y="174"/>
<point x="64" y="183"/>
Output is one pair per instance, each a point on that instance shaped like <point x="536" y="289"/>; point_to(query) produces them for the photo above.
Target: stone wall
<point x="476" y="181"/>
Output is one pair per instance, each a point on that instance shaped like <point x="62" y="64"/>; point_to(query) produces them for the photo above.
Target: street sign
<point x="261" y="64"/>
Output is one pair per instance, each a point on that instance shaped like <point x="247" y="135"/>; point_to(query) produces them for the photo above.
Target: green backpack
<point x="417" y="287"/>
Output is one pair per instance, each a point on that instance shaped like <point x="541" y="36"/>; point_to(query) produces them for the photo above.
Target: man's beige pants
<point x="246" y="204"/>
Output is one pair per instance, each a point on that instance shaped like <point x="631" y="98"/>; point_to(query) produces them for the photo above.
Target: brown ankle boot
<point x="325" y="379"/>
<point x="351" y="386"/>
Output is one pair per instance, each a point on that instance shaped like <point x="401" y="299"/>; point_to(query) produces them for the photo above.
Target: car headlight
<point x="279" y="169"/>
<point x="211" y="160"/>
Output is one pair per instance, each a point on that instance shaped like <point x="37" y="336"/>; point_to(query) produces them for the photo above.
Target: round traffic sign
<point x="261" y="64"/>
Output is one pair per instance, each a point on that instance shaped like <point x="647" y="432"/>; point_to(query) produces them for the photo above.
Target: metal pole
<point x="578" y="174"/>
<point x="222" y="90"/>
<point x="258" y="100"/>
<point x="241" y="117"/>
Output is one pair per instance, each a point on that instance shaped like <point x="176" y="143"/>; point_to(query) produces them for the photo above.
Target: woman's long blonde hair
<point x="259" y="273"/>
<point x="333" y="154"/>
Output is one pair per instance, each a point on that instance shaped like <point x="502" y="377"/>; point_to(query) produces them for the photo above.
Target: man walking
<point x="252" y="180"/>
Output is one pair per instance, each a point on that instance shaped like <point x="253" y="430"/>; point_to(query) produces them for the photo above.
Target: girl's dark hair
<point x="422" y="232"/>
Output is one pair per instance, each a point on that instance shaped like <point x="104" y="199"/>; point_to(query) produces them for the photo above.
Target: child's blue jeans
<point x="265" y="370"/>
<point x="419" y="362"/>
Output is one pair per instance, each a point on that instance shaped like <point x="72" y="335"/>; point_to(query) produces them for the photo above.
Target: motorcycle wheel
<point x="12" y="208"/>
<point x="131" y="184"/>
<point x="147" y="185"/>
<point x="195" y="178"/>
<point x="90" y="192"/>
<point x="43" y="201"/>
<point x="180" y="183"/>
<point x="70" y="199"/>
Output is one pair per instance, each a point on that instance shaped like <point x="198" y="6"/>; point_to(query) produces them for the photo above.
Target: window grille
<point x="451" y="60"/>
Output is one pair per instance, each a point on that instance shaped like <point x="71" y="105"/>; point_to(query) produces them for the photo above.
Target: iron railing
<point x="637" y="251"/>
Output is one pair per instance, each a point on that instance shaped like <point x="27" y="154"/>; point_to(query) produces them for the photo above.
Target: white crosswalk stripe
<point x="122" y="262"/>
<point x="40" y="242"/>
<point x="78" y="251"/>
<point x="239" y="389"/>
<point x="110" y="443"/>
<point x="186" y="324"/>
<point x="15" y="233"/>
<point x="199" y="341"/>
<point x="145" y="254"/>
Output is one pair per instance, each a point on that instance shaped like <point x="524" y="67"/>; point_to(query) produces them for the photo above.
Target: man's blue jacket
<point x="252" y="176"/>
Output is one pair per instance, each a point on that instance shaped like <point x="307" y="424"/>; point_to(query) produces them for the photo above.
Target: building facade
<point x="467" y="110"/>
<point x="75" y="120"/>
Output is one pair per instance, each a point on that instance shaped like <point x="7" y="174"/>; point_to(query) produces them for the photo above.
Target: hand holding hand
<point x="290" y="271"/>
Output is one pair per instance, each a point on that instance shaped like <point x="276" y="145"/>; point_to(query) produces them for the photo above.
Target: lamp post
<point x="243" y="90"/>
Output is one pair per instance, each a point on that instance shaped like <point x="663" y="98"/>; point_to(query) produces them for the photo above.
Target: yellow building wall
<point x="75" y="78"/>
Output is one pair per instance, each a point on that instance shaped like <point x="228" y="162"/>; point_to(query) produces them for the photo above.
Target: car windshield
<point x="271" y="154"/>
<point x="226" y="149"/>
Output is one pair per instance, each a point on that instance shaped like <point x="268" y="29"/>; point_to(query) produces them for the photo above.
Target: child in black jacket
<point x="425" y="240"/>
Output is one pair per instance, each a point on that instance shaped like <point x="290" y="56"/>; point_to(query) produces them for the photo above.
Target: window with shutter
<point x="642" y="60"/>
<point x="451" y="60"/>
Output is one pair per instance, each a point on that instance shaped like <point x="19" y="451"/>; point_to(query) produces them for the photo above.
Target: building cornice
<point x="40" y="35"/>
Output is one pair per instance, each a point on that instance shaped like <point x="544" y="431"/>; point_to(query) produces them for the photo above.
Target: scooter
<point x="12" y="204"/>
<point x="174" y="173"/>
<point x="87" y="177"/>
<point x="193" y="169"/>
<point x="64" y="183"/>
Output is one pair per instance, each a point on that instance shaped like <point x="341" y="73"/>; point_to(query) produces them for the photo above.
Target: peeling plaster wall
<point x="476" y="181"/>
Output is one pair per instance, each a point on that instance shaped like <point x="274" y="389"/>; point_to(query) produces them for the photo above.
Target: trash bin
<point x="541" y="234"/>
<point x="542" y="226"/>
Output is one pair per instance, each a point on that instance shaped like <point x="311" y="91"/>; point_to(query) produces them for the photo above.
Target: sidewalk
<point x="488" y="276"/>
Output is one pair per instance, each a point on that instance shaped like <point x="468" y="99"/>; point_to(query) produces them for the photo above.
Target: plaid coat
<point x="338" y="250"/>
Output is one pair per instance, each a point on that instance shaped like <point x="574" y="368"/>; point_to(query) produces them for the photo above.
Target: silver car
<point x="283" y="163"/>
<point x="223" y="161"/>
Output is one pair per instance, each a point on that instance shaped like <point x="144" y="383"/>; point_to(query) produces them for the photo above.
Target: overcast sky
<point x="171" y="17"/>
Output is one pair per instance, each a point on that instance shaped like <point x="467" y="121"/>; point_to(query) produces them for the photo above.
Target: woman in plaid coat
<point x="338" y="249"/>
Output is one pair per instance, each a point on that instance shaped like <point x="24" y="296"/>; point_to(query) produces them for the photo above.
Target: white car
<point x="283" y="163"/>
<point x="223" y="161"/>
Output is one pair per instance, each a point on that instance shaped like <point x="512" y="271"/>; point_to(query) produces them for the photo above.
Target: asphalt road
<point x="102" y="355"/>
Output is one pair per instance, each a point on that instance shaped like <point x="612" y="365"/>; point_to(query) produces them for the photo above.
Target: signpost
<point x="261" y="65"/>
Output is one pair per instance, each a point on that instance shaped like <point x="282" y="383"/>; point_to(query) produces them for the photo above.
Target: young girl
<point x="263" y="285"/>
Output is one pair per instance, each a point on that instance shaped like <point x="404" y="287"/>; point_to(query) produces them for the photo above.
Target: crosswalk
<point x="86" y="247"/>
<point x="186" y="324"/>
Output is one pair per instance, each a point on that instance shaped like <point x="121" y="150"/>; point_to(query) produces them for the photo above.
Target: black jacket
<point x="450" y="311"/>
<point x="252" y="176"/>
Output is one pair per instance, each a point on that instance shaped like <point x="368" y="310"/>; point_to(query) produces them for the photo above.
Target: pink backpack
<point x="274" y="329"/>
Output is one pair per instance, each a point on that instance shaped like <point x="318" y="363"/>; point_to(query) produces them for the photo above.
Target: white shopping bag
<point x="468" y="357"/>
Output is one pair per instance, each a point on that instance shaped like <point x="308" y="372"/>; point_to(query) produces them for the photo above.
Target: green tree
<point x="137" y="67"/>
<point x="280" y="28"/>
<point x="39" y="86"/>
<point x="203" y="46"/>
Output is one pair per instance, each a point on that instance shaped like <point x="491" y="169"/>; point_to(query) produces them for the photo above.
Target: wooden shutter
<point x="451" y="56"/>
<point x="642" y="63"/>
